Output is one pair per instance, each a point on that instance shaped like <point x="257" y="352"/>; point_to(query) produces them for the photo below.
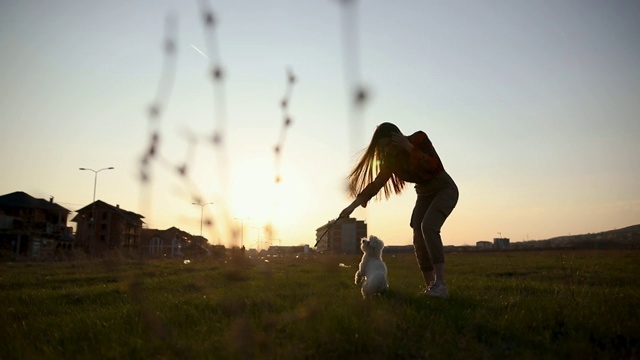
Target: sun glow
<point x="257" y="199"/>
<point x="251" y="198"/>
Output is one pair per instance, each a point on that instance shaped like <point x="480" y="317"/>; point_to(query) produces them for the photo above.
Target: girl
<point x="390" y="160"/>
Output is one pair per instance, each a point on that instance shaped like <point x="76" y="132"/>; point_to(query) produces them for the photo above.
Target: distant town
<point x="36" y="229"/>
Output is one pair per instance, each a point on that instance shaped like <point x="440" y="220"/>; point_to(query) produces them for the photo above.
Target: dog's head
<point x="372" y="246"/>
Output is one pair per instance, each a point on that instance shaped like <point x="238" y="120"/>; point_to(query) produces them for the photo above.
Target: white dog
<point x="372" y="269"/>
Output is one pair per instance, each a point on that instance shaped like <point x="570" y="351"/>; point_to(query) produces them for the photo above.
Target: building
<point x="501" y="243"/>
<point x="484" y="245"/>
<point x="111" y="228"/>
<point x="171" y="242"/>
<point x="288" y="250"/>
<point x="341" y="236"/>
<point x="163" y="243"/>
<point x="32" y="227"/>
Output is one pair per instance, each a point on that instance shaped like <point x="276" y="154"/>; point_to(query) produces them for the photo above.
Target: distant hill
<point x="626" y="230"/>
<point x="625" y="238"/>
<point x="628" y="237"/>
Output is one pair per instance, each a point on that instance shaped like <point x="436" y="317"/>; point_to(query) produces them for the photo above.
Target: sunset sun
<point x="256" y="197"/>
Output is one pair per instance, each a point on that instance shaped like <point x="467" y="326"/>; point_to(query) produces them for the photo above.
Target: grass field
<point x="525" y="305"/>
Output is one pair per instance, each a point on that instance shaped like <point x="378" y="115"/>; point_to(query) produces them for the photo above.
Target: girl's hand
<point x="349" y="209"/>
<point x="346" y="212"/>
<point x="401" y="141"/>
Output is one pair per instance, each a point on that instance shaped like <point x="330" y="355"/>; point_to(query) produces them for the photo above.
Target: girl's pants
<point x="436" y="199"/>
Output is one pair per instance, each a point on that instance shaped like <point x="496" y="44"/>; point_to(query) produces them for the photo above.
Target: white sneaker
<point x="438" y="290"/>
<point x="428" y="287"/>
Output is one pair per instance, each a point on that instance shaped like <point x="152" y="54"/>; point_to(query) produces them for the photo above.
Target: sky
<point x="533" y="106"/>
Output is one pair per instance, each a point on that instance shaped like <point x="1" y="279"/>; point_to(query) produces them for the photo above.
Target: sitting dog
<point x="372" y="271"/>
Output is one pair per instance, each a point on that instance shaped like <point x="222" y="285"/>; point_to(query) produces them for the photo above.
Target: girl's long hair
<point x="370" y="162"/>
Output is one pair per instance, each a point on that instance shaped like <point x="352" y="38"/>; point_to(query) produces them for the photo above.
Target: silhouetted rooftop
<point x="20" y="199"/>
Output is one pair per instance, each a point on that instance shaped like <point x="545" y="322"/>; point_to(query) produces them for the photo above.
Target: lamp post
<point x="201" y="213"/>
<point x="93" y="210"/>
<point x="95" y="178"/>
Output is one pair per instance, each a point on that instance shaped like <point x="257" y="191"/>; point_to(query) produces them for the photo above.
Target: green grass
<point x="573" y="305"/>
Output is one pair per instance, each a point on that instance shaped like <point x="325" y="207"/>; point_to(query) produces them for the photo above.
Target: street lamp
<point x="95" y="178"/>
<point x="201" y="213"/>
<point x="93" y="210"/>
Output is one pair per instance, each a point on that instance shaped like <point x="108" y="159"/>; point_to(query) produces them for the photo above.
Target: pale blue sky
<point x="534" y="107"/>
